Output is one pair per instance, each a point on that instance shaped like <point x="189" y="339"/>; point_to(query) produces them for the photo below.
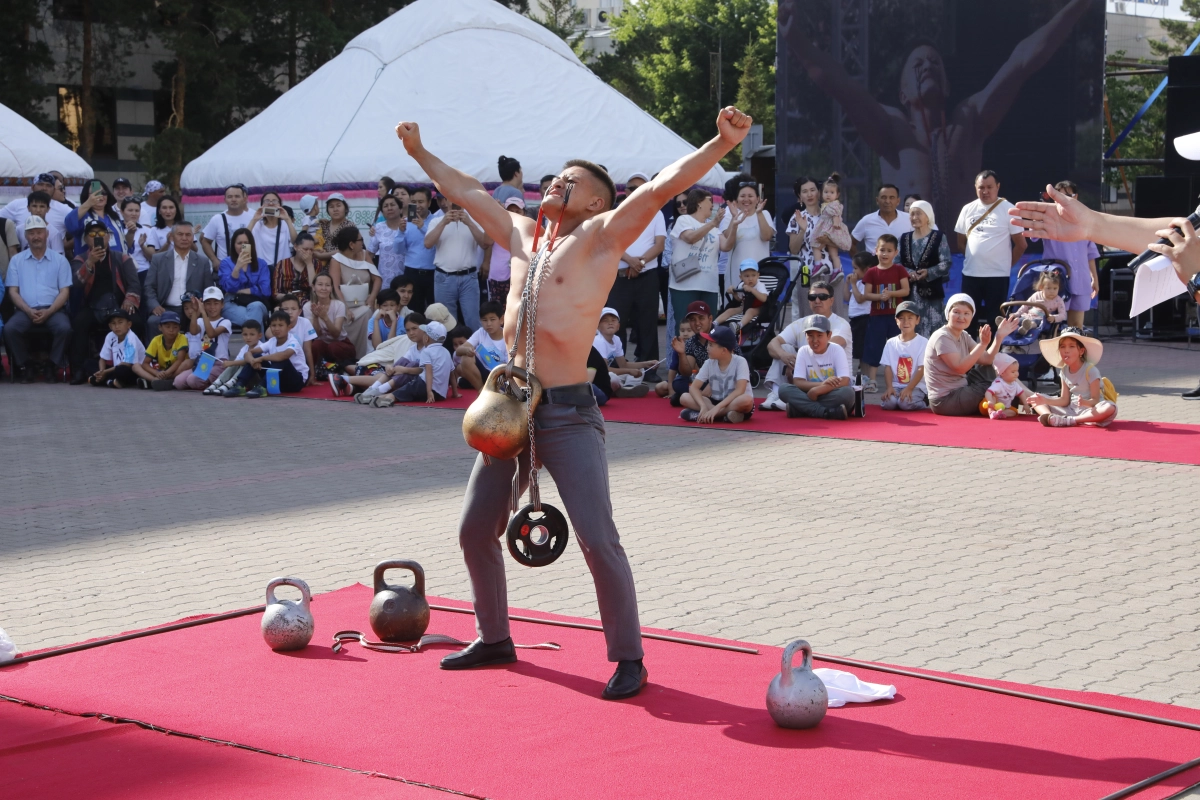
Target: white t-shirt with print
<point x="438" y="357"/>
<point x="723" y="382"/>
<point x="609" y="351"/>
<point x="905" y="358"/>
<point x="270" y="346"/>
<point x="492" y="352"/>
<point x="214" y="231"/>
<point x="131" y="351"/>
<point x="989" y="247"/>
<point x="816" y="367"/>
<point x="196" y="340"/>
<point x="794" y="334"/>
<point x="303" y="330"/>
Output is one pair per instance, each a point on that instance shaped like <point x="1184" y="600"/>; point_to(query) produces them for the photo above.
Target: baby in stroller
<point x="1044" y="304"/>
<point x="745" y="299"/>
<point x="1040" y="300"/>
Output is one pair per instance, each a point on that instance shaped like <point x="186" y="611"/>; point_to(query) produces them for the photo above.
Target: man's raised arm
<point x="459" y="186"/>
<point x="628" y="221"/>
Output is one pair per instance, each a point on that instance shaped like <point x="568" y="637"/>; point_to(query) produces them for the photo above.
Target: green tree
<point x="23" y="60"/>
<point x="662" y="57"/>
<point x="756" y="85"/>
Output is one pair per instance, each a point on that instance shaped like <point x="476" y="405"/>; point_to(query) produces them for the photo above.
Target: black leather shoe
<point x="1194" y="394"/>
<point x="478" y="654"/>
<point x="78" y="379"/>
<point x="26" y="374"/>
<point x="627" y="681"/>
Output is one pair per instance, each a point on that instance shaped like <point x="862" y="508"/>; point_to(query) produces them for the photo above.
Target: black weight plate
<point x="522" y="545"/>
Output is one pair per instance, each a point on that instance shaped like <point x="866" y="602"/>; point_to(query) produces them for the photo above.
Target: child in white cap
<point x="1084" y="397"/>
<point x="1006" y="392"/>
<point x="430" y="381"/>
<point x="626" y="375"/>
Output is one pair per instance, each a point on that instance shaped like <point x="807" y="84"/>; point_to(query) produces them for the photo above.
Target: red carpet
<point x="538" y="730"/>
<point x="48" y="755"/>
<point x="1125" y="439"/>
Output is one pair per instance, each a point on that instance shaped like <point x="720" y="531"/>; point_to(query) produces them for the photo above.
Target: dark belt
<point x="575" y="394"/>
<point x="470" y="271"/>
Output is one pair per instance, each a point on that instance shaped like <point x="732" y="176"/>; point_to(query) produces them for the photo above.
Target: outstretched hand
<point x="1064" y="220"/>
<point x="410" y="134"/>
<point x="733" y="125"/>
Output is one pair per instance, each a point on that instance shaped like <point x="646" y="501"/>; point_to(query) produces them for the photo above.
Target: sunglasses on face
<point x="814" y="298"/>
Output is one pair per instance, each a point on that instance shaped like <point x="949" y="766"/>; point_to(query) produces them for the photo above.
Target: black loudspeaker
<point x="1159" y="196"/>
<point x="1183" y="112"/>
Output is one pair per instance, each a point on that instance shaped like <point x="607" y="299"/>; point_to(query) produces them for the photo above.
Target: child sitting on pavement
<point x="1084" y="397"/>
<point x="486" y="349"/>
<point x="820" y="384"/>
<point x="746" y="298"/>
<point x="665" y="388"/>
<point x="388" y="319"/>
<point x="121" y="351"/>
<point x="166" y="356"/>
<point x="720" y="390"/>
<point x="427" y="379"/>
<point x="626" y="375"/>
<point x="280" y="351"/>
<point x="1002" y="397"/>
<point x="303" y="330"/>
<point x="208" y="333"/>
<point x="903" y="364"/>
<point x="455" y="339"/>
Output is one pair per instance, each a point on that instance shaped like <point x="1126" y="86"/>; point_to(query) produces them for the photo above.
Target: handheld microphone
<point x="1146" y="255"/>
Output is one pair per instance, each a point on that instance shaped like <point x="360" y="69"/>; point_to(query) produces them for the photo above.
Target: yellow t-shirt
<point x="160" y="354"/>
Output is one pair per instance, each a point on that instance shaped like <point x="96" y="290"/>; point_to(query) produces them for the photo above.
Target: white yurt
<point x="25" y="151"/>
<point x="480" y="79"/>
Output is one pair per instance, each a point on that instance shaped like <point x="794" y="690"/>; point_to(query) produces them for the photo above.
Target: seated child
<point x="626" y="375"/>
<point x="303" y="330"/>
<point x="251" y="347"/>
<point x="1083" y="399"/>
<point x="720" y="390"/>
<point x="403" y="287"/>
<point x="166" y="356"/>
<point x="667" y="388"/>
<point x="903" y="364"/>
<point x="208" y="332"/>
<point x="486" y="349"/>
<point x="424" y="374"/>
<point x="1031" y="317"/>
<point x="122" y="350"/>
<point x="384" y="323"/>
<point x="279" y="351"/>
<point x="820" y="384"/>
<point x="1001" y="399"/>
<point x="746" y="298"/>
<point x="455" y="339"/>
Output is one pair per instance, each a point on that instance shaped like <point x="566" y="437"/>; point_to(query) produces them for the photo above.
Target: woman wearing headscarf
<point x="925" y="253"/>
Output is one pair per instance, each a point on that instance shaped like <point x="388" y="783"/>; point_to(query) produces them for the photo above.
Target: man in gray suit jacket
<point x="172" y="274"/>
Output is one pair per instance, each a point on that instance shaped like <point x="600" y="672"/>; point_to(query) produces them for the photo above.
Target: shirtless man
<point x="569" y="428"/>
<point x="925" y="147"/>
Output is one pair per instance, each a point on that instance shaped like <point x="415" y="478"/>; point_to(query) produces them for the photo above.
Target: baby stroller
<point x="775" y="276"/>
<point x="1024" y="346"/>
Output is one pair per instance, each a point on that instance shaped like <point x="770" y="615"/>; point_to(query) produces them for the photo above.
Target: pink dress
<point x="829" y="223"/>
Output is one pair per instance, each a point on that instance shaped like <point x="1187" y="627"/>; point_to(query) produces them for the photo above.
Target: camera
<point x="270" y="212"/>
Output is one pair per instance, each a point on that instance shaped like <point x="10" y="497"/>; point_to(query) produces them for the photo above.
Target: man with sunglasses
<point x="783" y="348"/>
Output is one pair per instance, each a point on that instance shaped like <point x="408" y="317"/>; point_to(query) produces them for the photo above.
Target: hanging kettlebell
<point x="286" y="624"/>
<point x="796" y="697"/>
<point x="399" y="614"/>
<point x="497" y="423"/>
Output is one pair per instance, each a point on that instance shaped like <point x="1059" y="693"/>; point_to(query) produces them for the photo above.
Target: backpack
<point x="1108" y="391"/>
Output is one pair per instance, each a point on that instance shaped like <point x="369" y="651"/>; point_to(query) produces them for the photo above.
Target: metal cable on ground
<point x="75" y="648"/>
<point x="1129" y="791"/>
<point x="102" y="717"/>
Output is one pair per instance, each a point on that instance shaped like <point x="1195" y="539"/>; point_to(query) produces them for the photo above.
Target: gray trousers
<point x="19" y="324"/>
<point x="802" y="405"/>
<point x="894" y="403"/>
<point x="570" y="444"/>
<point x="964" y="401"/>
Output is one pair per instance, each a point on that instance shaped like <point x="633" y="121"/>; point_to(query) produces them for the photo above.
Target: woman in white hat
<point x="327" y="229"/>
<point x="1081" y="399"/>
<point x="925" y="253"/>
<point x="957" y="368"/>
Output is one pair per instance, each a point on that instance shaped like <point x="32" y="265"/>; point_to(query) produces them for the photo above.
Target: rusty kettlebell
<point x="796" y="697"/>
<point x="287" y="625"/>
<point x="497" y="423"/>
<point x="399" y="614"/>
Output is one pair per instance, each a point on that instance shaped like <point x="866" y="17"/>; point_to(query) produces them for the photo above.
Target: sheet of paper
<point x="1154" y="282"/>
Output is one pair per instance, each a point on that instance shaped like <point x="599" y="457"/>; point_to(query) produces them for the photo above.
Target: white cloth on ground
<point x="845" y="687"/>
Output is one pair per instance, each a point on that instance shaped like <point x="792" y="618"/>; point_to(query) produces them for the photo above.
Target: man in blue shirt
<point x="418" y="263"/>
<point x="39" y="282"/>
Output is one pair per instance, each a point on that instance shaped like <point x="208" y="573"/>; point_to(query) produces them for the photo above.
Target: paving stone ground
<point x="124" y="509"/>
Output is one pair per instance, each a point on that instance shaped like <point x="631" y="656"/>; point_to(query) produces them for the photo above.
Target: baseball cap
<point x="122" y="182"/>
<point x="168" y="316"/>
<point x="93" y="224"/>
<point x="1188" y="146"/>
<point x="641" y="175"/>
<point x="815" y="322"/>
<point x="748" y="264"/>
<point x="606" y="311"/>
<point x="908" y="306"/>
<point x="154" y="186"/>
<point x="214" y="293"/>
<point x="698" y="307"/>
<point x="514" y="201"/>
<point x="306" y="202"/>
<point x="434" y="330"/>
<point x="118" y="312"/>
<point x="44" y="177"/>
<point x="336" y="196"/>
<point x="34" y="222"/>
<point x="723" y="336"/>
